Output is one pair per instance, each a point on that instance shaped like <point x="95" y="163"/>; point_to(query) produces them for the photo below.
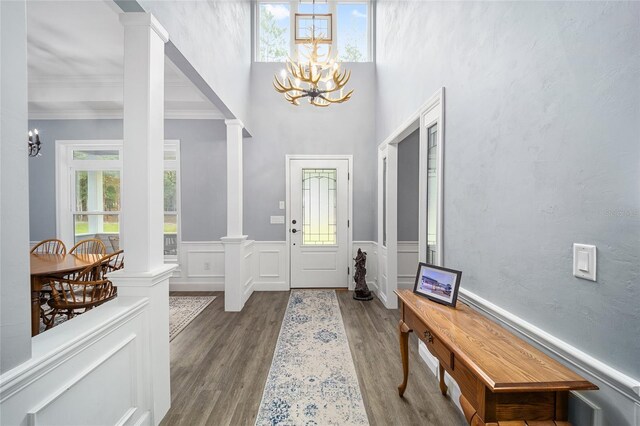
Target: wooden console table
<point x="501" y="377"/>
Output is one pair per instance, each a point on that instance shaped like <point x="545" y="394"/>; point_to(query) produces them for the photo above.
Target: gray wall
<point x="203" y="172"/>
<point x="280" y="128"/>
<point x="542" y="150"/>
<point x="15" y="318"/>
<point x="408" y="191"/>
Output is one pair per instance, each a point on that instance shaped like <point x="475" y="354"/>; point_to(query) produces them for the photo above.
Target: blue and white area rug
<point x="312" y="380"/>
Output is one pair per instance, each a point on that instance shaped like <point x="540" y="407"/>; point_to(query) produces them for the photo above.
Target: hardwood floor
<point x="220" y="363"/>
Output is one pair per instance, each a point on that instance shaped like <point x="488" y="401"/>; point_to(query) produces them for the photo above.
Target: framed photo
<point x="437" y="284"/>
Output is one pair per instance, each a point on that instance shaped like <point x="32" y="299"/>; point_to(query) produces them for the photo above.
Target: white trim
<point x="144" y="19"/>
<point x="626" y="385"/>
<point x="430" y="112"/>
<point x="288" y="159"/>
<point x="64" y="163"/>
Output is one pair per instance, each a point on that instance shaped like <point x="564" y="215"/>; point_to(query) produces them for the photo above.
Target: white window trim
<point x="293" y="47"/>
<point x="64" y="181"/>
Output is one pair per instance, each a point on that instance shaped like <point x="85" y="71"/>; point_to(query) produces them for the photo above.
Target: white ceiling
<point x="75" y="64"/>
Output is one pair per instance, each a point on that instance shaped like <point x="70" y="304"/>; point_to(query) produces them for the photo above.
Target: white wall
<point x="15" y="297"/>
<point x="541" y="151"/>
<point x="215" y="37"/>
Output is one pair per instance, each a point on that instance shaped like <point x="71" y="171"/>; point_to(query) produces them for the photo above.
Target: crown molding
<point x="116" y="114"/>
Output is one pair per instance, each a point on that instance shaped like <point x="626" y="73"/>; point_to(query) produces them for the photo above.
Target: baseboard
<point x="182" y="286"/>
<point x="271" y="286"/>
<point x="453" y="391"/>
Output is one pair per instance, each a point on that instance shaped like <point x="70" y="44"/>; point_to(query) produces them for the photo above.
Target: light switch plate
<point x="281" y="203"/>
<point x="584" y="261"/>
<point x="277" y="220"/>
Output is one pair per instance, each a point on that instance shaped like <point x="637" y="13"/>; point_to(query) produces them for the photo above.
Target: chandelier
<point x="313" y="75"/>
<point x="34" y="143"/>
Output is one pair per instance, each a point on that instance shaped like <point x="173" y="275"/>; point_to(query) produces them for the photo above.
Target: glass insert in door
<point x="319" y="206"/>
<point x="432" y="194"/>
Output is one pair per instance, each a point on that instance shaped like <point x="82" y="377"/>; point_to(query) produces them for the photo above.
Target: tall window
<point x="351" y="29"/>
<point x="89" y="190"/>
<point x="432" y="194"/>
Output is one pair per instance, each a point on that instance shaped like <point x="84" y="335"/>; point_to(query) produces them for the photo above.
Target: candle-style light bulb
<point x="30" y="133"/>
<point x="35" y="131"/>
<point x="283" y="73"/>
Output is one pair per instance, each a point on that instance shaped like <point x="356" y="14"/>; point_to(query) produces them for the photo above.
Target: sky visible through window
<point x="276" y="21"/>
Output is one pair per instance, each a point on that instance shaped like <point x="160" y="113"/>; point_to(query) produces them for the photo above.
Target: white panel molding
<point x="191" y="275"/>
<point x="249" y="270"/>
<point x="408" y="252"/>
<point x="624" y="384"/>
<point x="111" y="342"/>
<point x="616" y="388"/>
<point x="271" y="264"/>
<point x="32" y="415"/>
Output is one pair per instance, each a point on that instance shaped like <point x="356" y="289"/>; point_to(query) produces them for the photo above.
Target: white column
<point x="145" y="274"/>
<point x="15" y="311"/>
<point x="235" y="240"/>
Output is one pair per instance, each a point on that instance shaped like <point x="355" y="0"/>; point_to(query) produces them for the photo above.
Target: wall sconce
<point x="34" y="143"/>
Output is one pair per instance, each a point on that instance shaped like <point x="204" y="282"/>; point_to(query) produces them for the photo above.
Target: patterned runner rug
<point x="183" y="310"/>
<point x="312" y="380"/>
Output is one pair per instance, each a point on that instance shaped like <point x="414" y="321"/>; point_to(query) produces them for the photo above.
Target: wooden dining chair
<point x="112" y="262"/>
<point x="76" y="296"/>
<point x="50" y="246"/>
<point x="90" y="246"/>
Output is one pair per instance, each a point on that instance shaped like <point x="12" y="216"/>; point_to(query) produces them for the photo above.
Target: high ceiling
<point x="75" y="64"/>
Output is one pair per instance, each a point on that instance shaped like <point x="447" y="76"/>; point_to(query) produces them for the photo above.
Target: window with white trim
<point x="89" y="190"/>
<point x="275" y="24"/>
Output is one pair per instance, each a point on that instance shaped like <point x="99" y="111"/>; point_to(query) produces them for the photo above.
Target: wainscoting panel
<point x="616" y="402"/>
<point x="200" y="267"/>
<point x="248" y="270"/>
<point x="407" y="264"/>
<point x="271" y="266"/>
<point x="92" y="367"/>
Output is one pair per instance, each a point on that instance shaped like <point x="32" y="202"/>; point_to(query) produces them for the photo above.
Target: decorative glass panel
<point x="432" y="194"/>
<point x="319" y="206"/>
<point x="102" y="154"/>
<point x="97" y="191"/>
<point x="170" y="234"/>
<point x="170" y="154"/>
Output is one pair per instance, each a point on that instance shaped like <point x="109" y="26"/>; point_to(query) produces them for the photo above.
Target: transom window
<point x="276" y="25"/>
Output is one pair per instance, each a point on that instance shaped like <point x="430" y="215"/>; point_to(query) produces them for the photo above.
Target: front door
<point x="319" y="222"/>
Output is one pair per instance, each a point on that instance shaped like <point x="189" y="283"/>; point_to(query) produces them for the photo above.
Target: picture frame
<point x="437" y="283"/>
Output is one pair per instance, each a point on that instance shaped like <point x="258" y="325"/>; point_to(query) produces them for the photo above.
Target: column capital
<point x="144" y="19"/>
<point x="234" y="122"/>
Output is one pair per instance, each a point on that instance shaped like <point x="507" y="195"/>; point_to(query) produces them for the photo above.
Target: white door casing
<point x="318" y="221"/>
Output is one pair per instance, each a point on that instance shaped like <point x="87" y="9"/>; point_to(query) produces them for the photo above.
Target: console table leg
<point x="443" y="386"/>
<point x="404" y="354"/>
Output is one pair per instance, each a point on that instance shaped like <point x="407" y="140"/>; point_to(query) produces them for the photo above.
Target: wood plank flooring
<point x="220" y="363"/>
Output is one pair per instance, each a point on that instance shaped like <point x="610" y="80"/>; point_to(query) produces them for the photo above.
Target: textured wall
<point x="542" y="150"/>
<point x="203" y="172"/>
<point x="280" y="128"/>
<point x="408" y="187"/>
<point x="215" y="36"/>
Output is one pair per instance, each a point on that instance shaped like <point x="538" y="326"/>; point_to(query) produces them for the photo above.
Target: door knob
<point x="294" y="230"/>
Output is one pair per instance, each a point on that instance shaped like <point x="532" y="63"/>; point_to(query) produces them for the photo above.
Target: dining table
<point x="44" y="266"/>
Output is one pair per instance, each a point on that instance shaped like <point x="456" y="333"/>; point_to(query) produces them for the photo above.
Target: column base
<point x="155" y="286"/>
<point x="233" y="261"/>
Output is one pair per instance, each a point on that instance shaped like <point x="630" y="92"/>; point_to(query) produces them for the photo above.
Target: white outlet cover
<point x="277" y="220"/>
<point x="281" y="204"/>
<point x="584" y="261"/>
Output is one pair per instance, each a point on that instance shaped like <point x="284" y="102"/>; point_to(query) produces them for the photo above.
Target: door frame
<point x="418" y="120"/>
<point x="349" y="158"/>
